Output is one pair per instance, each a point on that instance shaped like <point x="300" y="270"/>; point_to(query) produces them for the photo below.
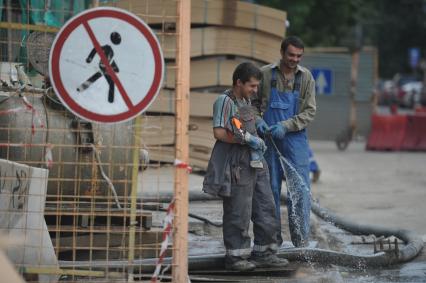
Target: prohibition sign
<point x="106" y="65"/>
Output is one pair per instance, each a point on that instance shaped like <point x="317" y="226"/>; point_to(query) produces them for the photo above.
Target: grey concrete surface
<point x="372" y="187"/>
<point x="369" y="187"/>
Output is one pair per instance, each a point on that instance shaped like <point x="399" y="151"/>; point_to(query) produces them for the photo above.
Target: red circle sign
<point x="106" y="65"/>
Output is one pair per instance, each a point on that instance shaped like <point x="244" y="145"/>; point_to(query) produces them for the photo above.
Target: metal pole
<point x="9" y="30"/>
<point x="354" y="80"/>
<point x="180" y="223"/>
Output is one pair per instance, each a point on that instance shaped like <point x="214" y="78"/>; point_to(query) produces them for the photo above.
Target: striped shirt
<point x="224" y="108"/>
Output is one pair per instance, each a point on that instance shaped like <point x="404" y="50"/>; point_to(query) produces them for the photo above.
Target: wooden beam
<point x="180" y="222"/>
<point x="218" y="12"/>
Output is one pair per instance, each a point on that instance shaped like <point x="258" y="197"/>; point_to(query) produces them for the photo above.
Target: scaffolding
<point x="95" y="222"/>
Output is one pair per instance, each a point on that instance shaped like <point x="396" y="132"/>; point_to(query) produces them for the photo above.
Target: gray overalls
<point x="246" y="193"/>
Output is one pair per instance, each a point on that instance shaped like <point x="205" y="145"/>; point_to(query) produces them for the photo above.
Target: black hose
<point x="413" y="246"/>
<point x="413" y="243"/>
<point x="159" y="207"/>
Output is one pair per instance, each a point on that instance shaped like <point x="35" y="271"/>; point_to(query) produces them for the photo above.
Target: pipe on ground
<point x="413" y="245"/>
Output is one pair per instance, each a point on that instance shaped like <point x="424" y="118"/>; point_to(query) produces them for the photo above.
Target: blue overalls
<point x="313" y="165"/>
<point x="294" y="147"/>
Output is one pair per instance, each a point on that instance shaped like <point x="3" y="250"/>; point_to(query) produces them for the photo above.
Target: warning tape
<point x="180" y="164"/>
<point x="167" y="235"/>
<point x="35" y="114"/>
<point x="48" y="156"/>
<point x="28" y="107"/>
<point x="13" y="110"/>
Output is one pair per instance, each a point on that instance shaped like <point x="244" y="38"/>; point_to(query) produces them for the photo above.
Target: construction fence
<point x="88" y="201"/>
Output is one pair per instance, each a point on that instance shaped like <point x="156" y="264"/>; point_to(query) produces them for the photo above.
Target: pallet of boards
<point x="198" y="155"/>
<point x="207" y="72"/>
<point x="200" y="103"/>
<point x="210" y="12"/>
<point x="160" y="130"/>
<point x="212" y="41"/>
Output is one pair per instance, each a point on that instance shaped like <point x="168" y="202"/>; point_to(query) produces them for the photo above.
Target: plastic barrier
<point x="387" y="132"/>
<point x="420" y="110"/>
<point x="415" y="134"/>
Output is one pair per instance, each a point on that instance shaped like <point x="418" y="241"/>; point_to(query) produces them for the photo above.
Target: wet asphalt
<point x="387" y="189"/>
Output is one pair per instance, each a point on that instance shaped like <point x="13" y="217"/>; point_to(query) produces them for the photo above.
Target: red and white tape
<point x="180" y="164"/>
<point x="12" y="110"/>
<point x="28" y="107"/>
<point x="48" y="156"/>
<point x="35" y="114"/>
<point x="167" y="236"/>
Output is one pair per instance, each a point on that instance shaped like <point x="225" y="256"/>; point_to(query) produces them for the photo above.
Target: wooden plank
<point x="208" y="72"/>
<point x="217" y="40"/>
<point x="91" y="240"/>
<point x="157" y="130"/>
<point x="201" y="103"/>
<point x="198" y="156"/>
<point x="219" y="12"/>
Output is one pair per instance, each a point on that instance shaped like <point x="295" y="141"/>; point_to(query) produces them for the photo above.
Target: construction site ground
<point x="387" y="189"/>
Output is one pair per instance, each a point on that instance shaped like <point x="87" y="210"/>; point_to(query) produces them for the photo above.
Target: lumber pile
<point x="224" y="33"/>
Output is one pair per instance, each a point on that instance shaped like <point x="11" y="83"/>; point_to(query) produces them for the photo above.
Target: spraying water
<point x="297" y="190"/>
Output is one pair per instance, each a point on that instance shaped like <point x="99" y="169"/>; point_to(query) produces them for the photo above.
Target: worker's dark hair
<point x="245" y="71"/>
<point x="292" y="40"/>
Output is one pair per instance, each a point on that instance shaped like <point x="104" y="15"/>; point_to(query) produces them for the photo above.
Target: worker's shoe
<point x="240" y="265"/>
<point x="272" y="261"/>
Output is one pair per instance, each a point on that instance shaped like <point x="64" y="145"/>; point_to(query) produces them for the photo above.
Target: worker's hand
<point x="254" y="142"/>
<point x="261" y="126"/>
<point x="278" y="130"/>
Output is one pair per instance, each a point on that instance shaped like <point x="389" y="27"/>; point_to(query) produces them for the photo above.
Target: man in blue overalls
<point x="286" y="105"/>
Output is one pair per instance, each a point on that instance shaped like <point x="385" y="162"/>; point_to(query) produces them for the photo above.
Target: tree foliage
<point x="392" y="26"/>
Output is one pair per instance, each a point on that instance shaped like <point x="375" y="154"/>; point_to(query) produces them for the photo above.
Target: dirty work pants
<point x="251" y="199"/>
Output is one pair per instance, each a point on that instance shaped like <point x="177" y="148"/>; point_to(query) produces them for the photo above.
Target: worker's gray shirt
<point x="307" y="103"/>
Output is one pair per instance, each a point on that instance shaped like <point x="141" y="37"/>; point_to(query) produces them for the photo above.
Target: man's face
<point x="248" y="88"/>
<point x="291" y="57"/>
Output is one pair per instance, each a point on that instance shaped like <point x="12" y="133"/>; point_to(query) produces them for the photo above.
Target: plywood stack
<point x="224" y="33"/>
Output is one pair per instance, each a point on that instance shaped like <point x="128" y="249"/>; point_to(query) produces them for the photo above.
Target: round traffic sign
<point x="106" y="65"/>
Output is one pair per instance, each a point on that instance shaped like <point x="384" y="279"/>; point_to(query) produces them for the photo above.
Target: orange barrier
<point x="397" y="132"/>
<point x="420" y="110"/>
<point x="387" y="132"/>
<point x="415" y="134"/>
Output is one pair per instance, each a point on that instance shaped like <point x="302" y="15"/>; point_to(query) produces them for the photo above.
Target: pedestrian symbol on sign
<point x="109" y="54"/>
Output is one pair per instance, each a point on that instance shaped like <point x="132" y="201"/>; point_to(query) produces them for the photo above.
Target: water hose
<point x="413" y="244"/>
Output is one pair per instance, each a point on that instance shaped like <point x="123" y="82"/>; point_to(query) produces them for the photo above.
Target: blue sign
<point x="414" y="54"/>
<point x="323" y="81"/>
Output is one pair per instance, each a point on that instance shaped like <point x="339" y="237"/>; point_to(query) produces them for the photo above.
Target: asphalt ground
<point x="387" y="189"/>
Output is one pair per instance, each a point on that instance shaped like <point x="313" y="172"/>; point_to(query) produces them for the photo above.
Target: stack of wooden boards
<point x="224" y="33"/>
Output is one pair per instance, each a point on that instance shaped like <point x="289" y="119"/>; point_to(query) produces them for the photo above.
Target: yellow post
<point x="133" y="197"/>
<point x="180" y="226"/>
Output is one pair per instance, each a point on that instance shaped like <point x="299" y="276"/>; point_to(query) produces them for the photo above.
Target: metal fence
<point x="83" y="196"/>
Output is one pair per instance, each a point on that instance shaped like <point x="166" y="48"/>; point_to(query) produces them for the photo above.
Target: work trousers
<point x="251" y="199"/>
